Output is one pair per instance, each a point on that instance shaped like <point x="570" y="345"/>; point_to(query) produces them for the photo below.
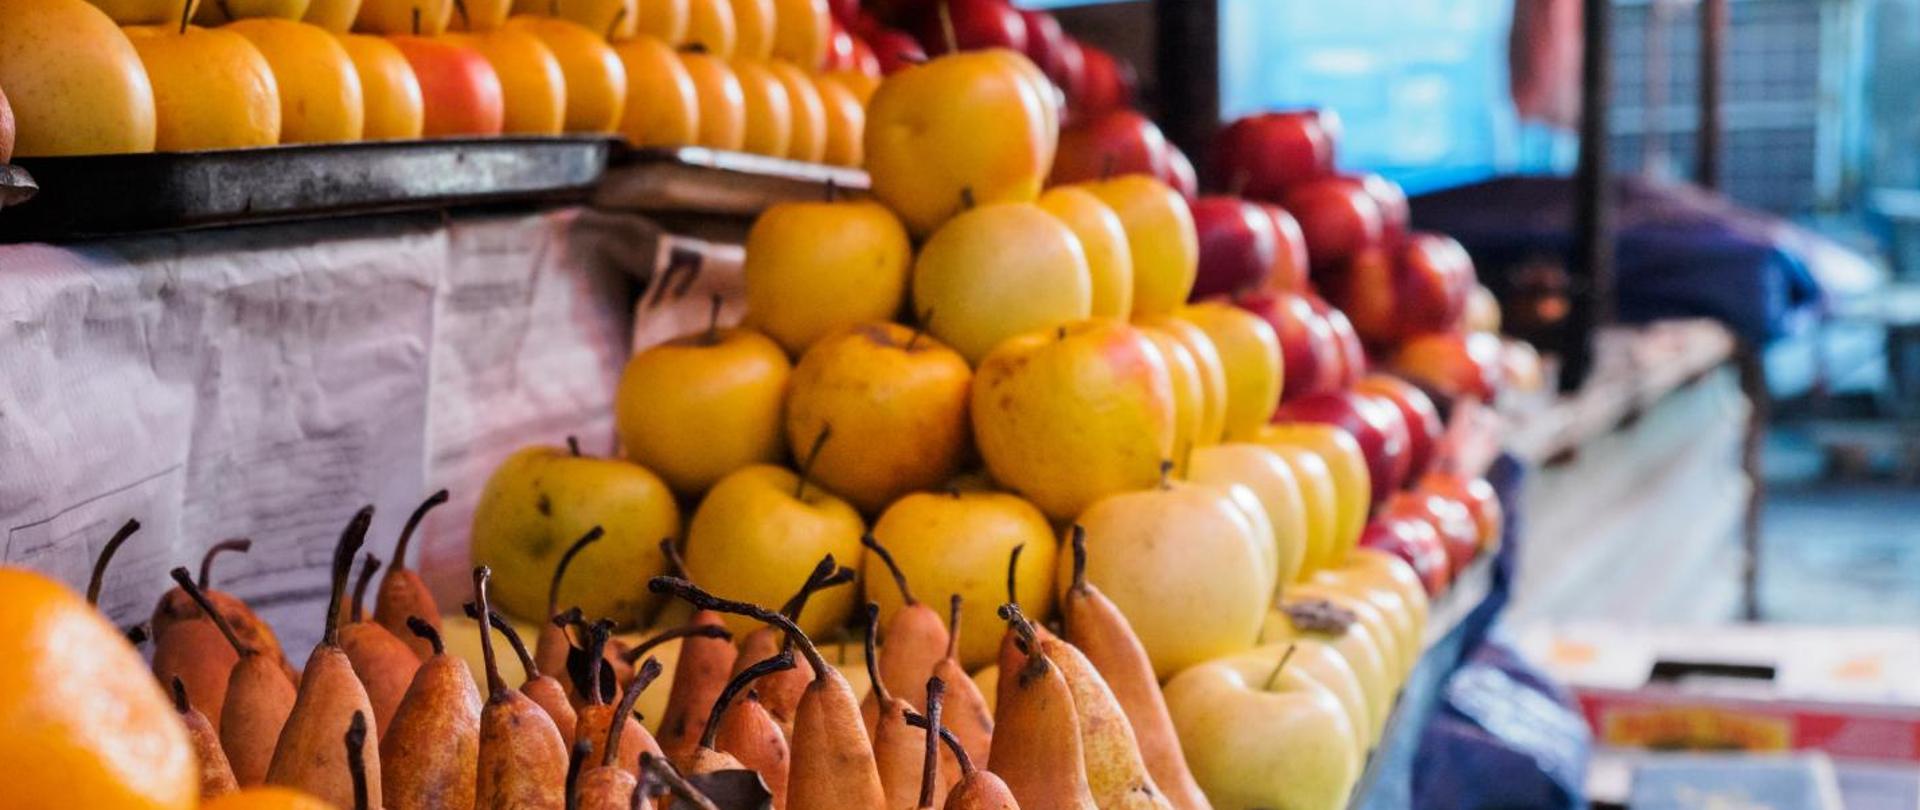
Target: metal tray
<point x="113" y="194"/>
<point x="697" y="180"/>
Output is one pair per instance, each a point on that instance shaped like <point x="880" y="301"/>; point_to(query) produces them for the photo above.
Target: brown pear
<point x="609" y="785"/>
<point x="780" y="692"/>
<point x="357" y="768"/>
<point x="707" y="757"/>
<point x="309" y="756"/>
<point x="523" y="758"/>
<point x="403" y="594"/>
<point x="976" y="789"/>
<point x="596" y="719"/>
<point x="545" y="691"/>
<point x="195" y="652"/>
<point x="701" y="673"/>
<point x="833" y="767"/>
<point x="1098" y="629"/>
<point x="1013" y="653"/>
<point x="551" y="646"/>
<point x="384" y="663"/>
<point x="175" y="606"/>
<point x="749" y="733"/>
<point x="1036" y="735"/>
<point x="216" y="776"/>
<point x="967" y="711"/>
<point x="899" y="752"/>
<point x="1116" y="774"/>
<point x="259" y="697"/>
<point x="915" y="639"/>
<point x="428" y="754"/>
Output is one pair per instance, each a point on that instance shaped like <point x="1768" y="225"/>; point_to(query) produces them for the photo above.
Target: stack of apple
<point x="122" y="76"/>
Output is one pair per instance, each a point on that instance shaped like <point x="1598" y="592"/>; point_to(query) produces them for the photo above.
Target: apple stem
<point x="1013" y="566"/>
<point x="99" y="576"/>
<point x="893" y="567"/>
<point x="683" y="631"/>
<point x="500" y="623"/>
<point x="967" y="200"/>
<point x="413" y="523"/>
<point x="356" y="611"/>
<point x="676" y="784"/>
<point x="239" y="544"/>
<point x="946" y="27"/>
<point x="930" y="767"/>
<point x="460" y="6"/>
<point x="713" y="322"/>
<point x="881" y="696"/>
<point x="615" y="726"/>
<point x="573" y="445"/>
<point x="220" y="622"/>
<point x="778" y="662"/>
<point x="225" y="10"/>
<point x="592" y="536"/>
<point x="676" y="564"/>
<point x="813" y="455"/>
<point x="351" y="538"/>
<point x="1079" y="544"/>
<point x="416" y="21"/>
<point x="496" y="686"/>
<point x="918" y="720"/>
<point x="618" y="15"/>
<point x="953" y="627"/>
<point x="420" y="627"/>
<point x="1278" y="668"/>
<point x="694" y="47"/>
<point x="920" y="328"/>
<point x="693" y="595"/>
<point x="357" y="758"/>
<point x="186" y="16"/>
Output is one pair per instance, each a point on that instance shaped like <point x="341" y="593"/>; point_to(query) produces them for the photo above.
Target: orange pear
<point x="259" y="697"/>
<point x="698" y="677"/>
<point x="780" y="692"/>
<point x="916" y="637"/>
<point x="216" y="776"/>
<point x="403" y="594"/>
<point x="597" y="718"/>
<point x="546" y="692"/>
<point x="610" y="785"/>
<point x="976" y="789"/>
<point x="1036" y="746"/>
<point x="175" y="606"/>
<point x="523" y="759"/>
<point x="430" y="749"/>
<point x="550" y="648"/>
<point x="899" y="753"/>
<point x="384" y="664"/>
<point x="967" y="711"/>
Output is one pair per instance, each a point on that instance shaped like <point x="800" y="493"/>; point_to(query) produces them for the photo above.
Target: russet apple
<point x="926" y="148"/>
<point x="896" y="400"/>
<point x="1173" y="552"/>
<point x="957" y="542"/>
<point x="7" y="133"/>
<point x="596" y="80"/>
<point x="73" y="81"/>
<point x="1319" y="623"/>
<point x="722" y="101"/>
<point x="1309" y="356"/>
<point x="1263" y="156"/>
<point x="711" y="28"/>
<point x="753" y="27"/>
<point x="321" y="100"/>
<point x="846" y="121"/>
<point x="541" y="500"/>
<point x="1377" y="426"/>
<point x="336" y="16"/>
<point x="1259" y="733"/>
<point x="702" y="405"/>
<point x="800" y="36"/>
<point x="211" y="89"/>
<point x="999" y="270"/>
<point x="1411" y="538"/>
<point x="760" y="531"/>
<point x="1237" y="246"/>
<point x="396" y="107"/>
<point x="665" y="20"/>
<point x="1213" y="373"/>
<point x="427" y="18"/>
<point x="147" y="12"/>
<point x="1452" y="365"/>
<point x="1478" y="495"/>
<point x="817" y="267"/>
<point x="1346" y="467"/>
<point x="1318" y="506"/>
<point x="1069" y="415"/>
<point x="1271" y="479"/>
<point x="461" y="91"/>
<point x="1290" y="265"/>
<point x="1161" y="237"/>
<point x="1111" y="144"/>
<point x="769" y="109"/>
<point x="533" y="89"/>
<point x="1416" y="409"/>
<point x="1452" y="524"/>
<point x="1250" y="356"/>
<point x="1189" y="393"/>
<point x="1104" y="240"/>
<point x="809" y="112"/>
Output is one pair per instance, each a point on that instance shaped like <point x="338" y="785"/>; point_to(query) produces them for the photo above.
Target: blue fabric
<point x="1504" y="736"/>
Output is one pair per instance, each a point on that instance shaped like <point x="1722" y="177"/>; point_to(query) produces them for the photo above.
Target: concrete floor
<point x="1836" y="551"/>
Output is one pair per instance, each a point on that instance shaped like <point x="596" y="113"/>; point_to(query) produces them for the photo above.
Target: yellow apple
<point x="1250" y="356"/>
<point x="846" y="122"/>
<point x="1271" y="479"/>
<point x="803" y="32"/>
<point x="1053" y="102"/>
<point x="1189" y="398"/>
<point x="215" y="13"/>
<point x="723" y="102"/>
<point x="395" y="107"/>
<point x="700" y="406"/>
<point x="211" y="89"/>
<point x="541" y="500"/>
<point x="1260" y="734"/>
<point x="596" y="81"/>
<point x="1317" y="622"/>
<point x="753" y="26"/>
<point x="711" y="27"/>
<point x="663" y="106"/>
<point x="999" y="270"/>
<point x="1352" y="487"/>
<point x="1167" y="556"/>
<point x="1213" y="374"/>
<point x="1160" y="233"/>
<point x="1375" y="567"/>
<point x="760" y="531"/>
<point x="809" y="111"/>
<point x="481" y="15"/>
<point x="336" y="16"/>
<point x="858" y="82"/>
<point x="1391" y="626"/>
<point x="146" y="12"/>
<point x="769" y="110"/>
<point x="957" y="543"/>
<point x="611" y="19"/>
<point x="532" y="85"/>
<point x="1407" y="615"/>
<point x="321" y="100"/>
<point x="1068" y="416"/>
<point x="896" y="401"/>
<point x="427" y="18"/>
<point x="816" y="267"/>
<point x="1317" y="502"/>
<point x="665" y="20"/>
<point x="964" y="124"/>
<point x="1104" y="239"/>
<point x="75" y="83"/>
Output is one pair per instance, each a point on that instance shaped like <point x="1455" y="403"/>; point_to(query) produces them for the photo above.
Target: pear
<point x="609" y="785"/>
<point x="550" y="648"/>
<point x="659" y="769"/>
<point x="216" y="776"/>
<point x="706" y="758"/>
<point x="384" y="664"/>
<point x="543" y="689"/>
<point x="430" y="749"/>
<point x="523" y="758"/>
<point x="597" y="719"/>
<point x="195" y="652"/>
<point x="1116" y="774"/>
<point x="968" y="712"/>
<point x="780" y="692"/>
<point x="309" y="756"/>
<point x="699" y="675"/>
<point x="898" y="751"/>
<point x="1036" y="746"/>
<point x="259" y="697"/>
<point x="976" y="789"/>
<point x="403" y="594"/>
<point x="175" y="606"/>
<point x="916" y="637"/>
<point x="749" y="733"/>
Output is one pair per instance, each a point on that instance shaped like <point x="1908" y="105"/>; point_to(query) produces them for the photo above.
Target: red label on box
<point x="1675" y="721"/>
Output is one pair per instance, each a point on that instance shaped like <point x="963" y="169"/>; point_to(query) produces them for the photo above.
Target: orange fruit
<point x="267" y="798"/>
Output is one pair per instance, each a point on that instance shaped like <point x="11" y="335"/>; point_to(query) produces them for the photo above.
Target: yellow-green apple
<point x="1353" y="355"/>
<point x="1338" y="219"/>
<point x="665" y="20"/>
<point x="1104" y="239"/>
<point x="816" y="267"/>
<point x="957" y="542"/>
<point x="1289" y="271"/>
<point x="769" y="109"/>
<point x="1271" y="479"/>
<point x="1213" y="372"/>
<point x="427" y="18"/>
<point x="1160" y="234"/>
<point x="1189" y="394"/>
<point x="1309" y="355"/>
<point x="596" y="81"/>
<point x="321" y="100"/>
<point x="703" y="405"/>
<point x="541" y="500"/>
<point x="1393" y="294"/>
<point x="211" y="13"/>
<point x="801" y="32"/>
<point x="926" y="149"/>
<point x="1347" y="469"/>
<point x="1260" y="733"/>
<point x="74" y="82"/>
<point x="1416" y="409"/>
<point x="336" y="16"/>
<point x="1379" y="609"/>
<point x="1110" y="144"/>
<point x="723" y="103"/>
<point x="1452" y="365"/>
<point x="1317" y="622"/>
<point x="753" y="26"/>
<point x="1070" y="415"/>
<point x="396" y="107"/>
<point x="1169" y="553"/>
<point x="1376" y="425"/>
<point x="533" y="89"/>
<point x="147" y="12"/>
<point x="6" y="128"/>
<point x="1237" y="246"/>
<point x="1374" y="569"/>
<point x="1453" y="527"/>
<point x="999" y="270"/>
<point x="809" y="141"/>
<point x="896" y="400"/>
<point x="211" y="89"/>
<point x="758" y="533"/>
<point x="663" y="106"/>
<point x="1317" y="505"/>
<point x="976" y="25"/>
<point x="1482" y="503"/>
<point x="1266" y="155"/>
<point x="711" y="27"/>
<point x="1250" y="355"/>
<point x="461" y="91"/>
<point x="846" y="122"/>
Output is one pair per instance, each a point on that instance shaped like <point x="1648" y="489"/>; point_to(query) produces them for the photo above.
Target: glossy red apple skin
<point x="1310" y="358"/>
<point x="1478" y="495"/>
<point x="1378" y="428"/>
<point x="1353" y="354"/>
<point x="1422" y="286"/>
<point x="1451" y="521"/>
<point x="1396" y="215"/>
<point x="1415" y="541"/>
<point x="840" y="48"/>
<point x="1290" y="251"/>
<point x="1416" y="408"/>
<point x="1181" y="176"/>
<point x="895" y="49"/>
<point x="1263" y="156"/>
<point x="977" y="24"/>
<point x="1106" y="83"/>
<point x="1452" y="365"/>
<point x="1338" y="218"/>
<point x="1045" y="38"/>
<point x="462" y="90"/>
<point x="1236" y="246"/>
<point x="1110" y="144"/>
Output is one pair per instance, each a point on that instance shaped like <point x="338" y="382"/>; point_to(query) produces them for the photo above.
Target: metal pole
<point x="1592" y="296"/>
<point x="1713" y="37"/>
<point x="1187" y="51"/>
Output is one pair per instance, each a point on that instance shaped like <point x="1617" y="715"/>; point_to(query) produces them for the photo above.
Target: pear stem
<point x="813" y="455"/>
<point x="779" y="662"/>
<point x="413" y="523"/>
<point x="825" y="575"/>
<point x="1037" y="663"/>
<point x="1013" y="568"/>
<point x="180" y="702"/>
<point x="239" y="544"/>
<point x="199" y="597"/>
<point x="577" y="762"/>
<point x="899" y="576"/>
<point x="918" y="720"/>
<point x="496" y="687"/>
<point x="99" y="576"/>
<point x="138" y="634"/>
<point x="351" y="539"/>
<point x="677" y="784"/>
<point x="618" y="15"/>
<point x="930" y="768"/>
<point x="641" y="680"/>
<point x="693" y="595"/>
<point x="872" y="641"/>
<point x="1280" y="667"/>
<point x="946" y="27"/>
<point x="953" y="627"/>
<point x="592" y="536"/>
<point x="683" y="631"/>
<point x="356" y="612"/>
<point x="505" y="627"/>
<point x="186" y="16"/>
<point x="597" y="637"/>
<point x="424" y="629"/>
<point x="1079" y="543"/>
<point x="357" y="751"/>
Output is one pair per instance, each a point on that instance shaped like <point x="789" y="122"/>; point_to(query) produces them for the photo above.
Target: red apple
<point x="1180" y="174"/>
<point x="1337" y="217"/>
<point x="1423" y="419"/>
<point x="1073" y="70"/>
<point x="895" y="49"/>
<point x="1452" y="365"/>
<point x="1459" y="535"/>
<point x="1109" y="145"/>
<point x="865" y="61"/>
<point x="1108" y="83"/>
<point x="461" y="90"/>
<point x="1353" y="354"/>
<point x="845" y="11"/>
<point x="1482" y="502"/>
<point x="1415" y="541"/>
<point x="977" y="24"/>
<point x="6" y="129"/>
<point x="1045" y="41"/>
<point x="1396" y="216"/>
<point x="1375" y="425"/>
<point x="1309" y="355"/>
<point x="840" y="48"/>
<point x="1262" y="156"/>
<point x="1421" y="287"/>
<point x="1290" y="251"/>
<point x="1236" y="246"/>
